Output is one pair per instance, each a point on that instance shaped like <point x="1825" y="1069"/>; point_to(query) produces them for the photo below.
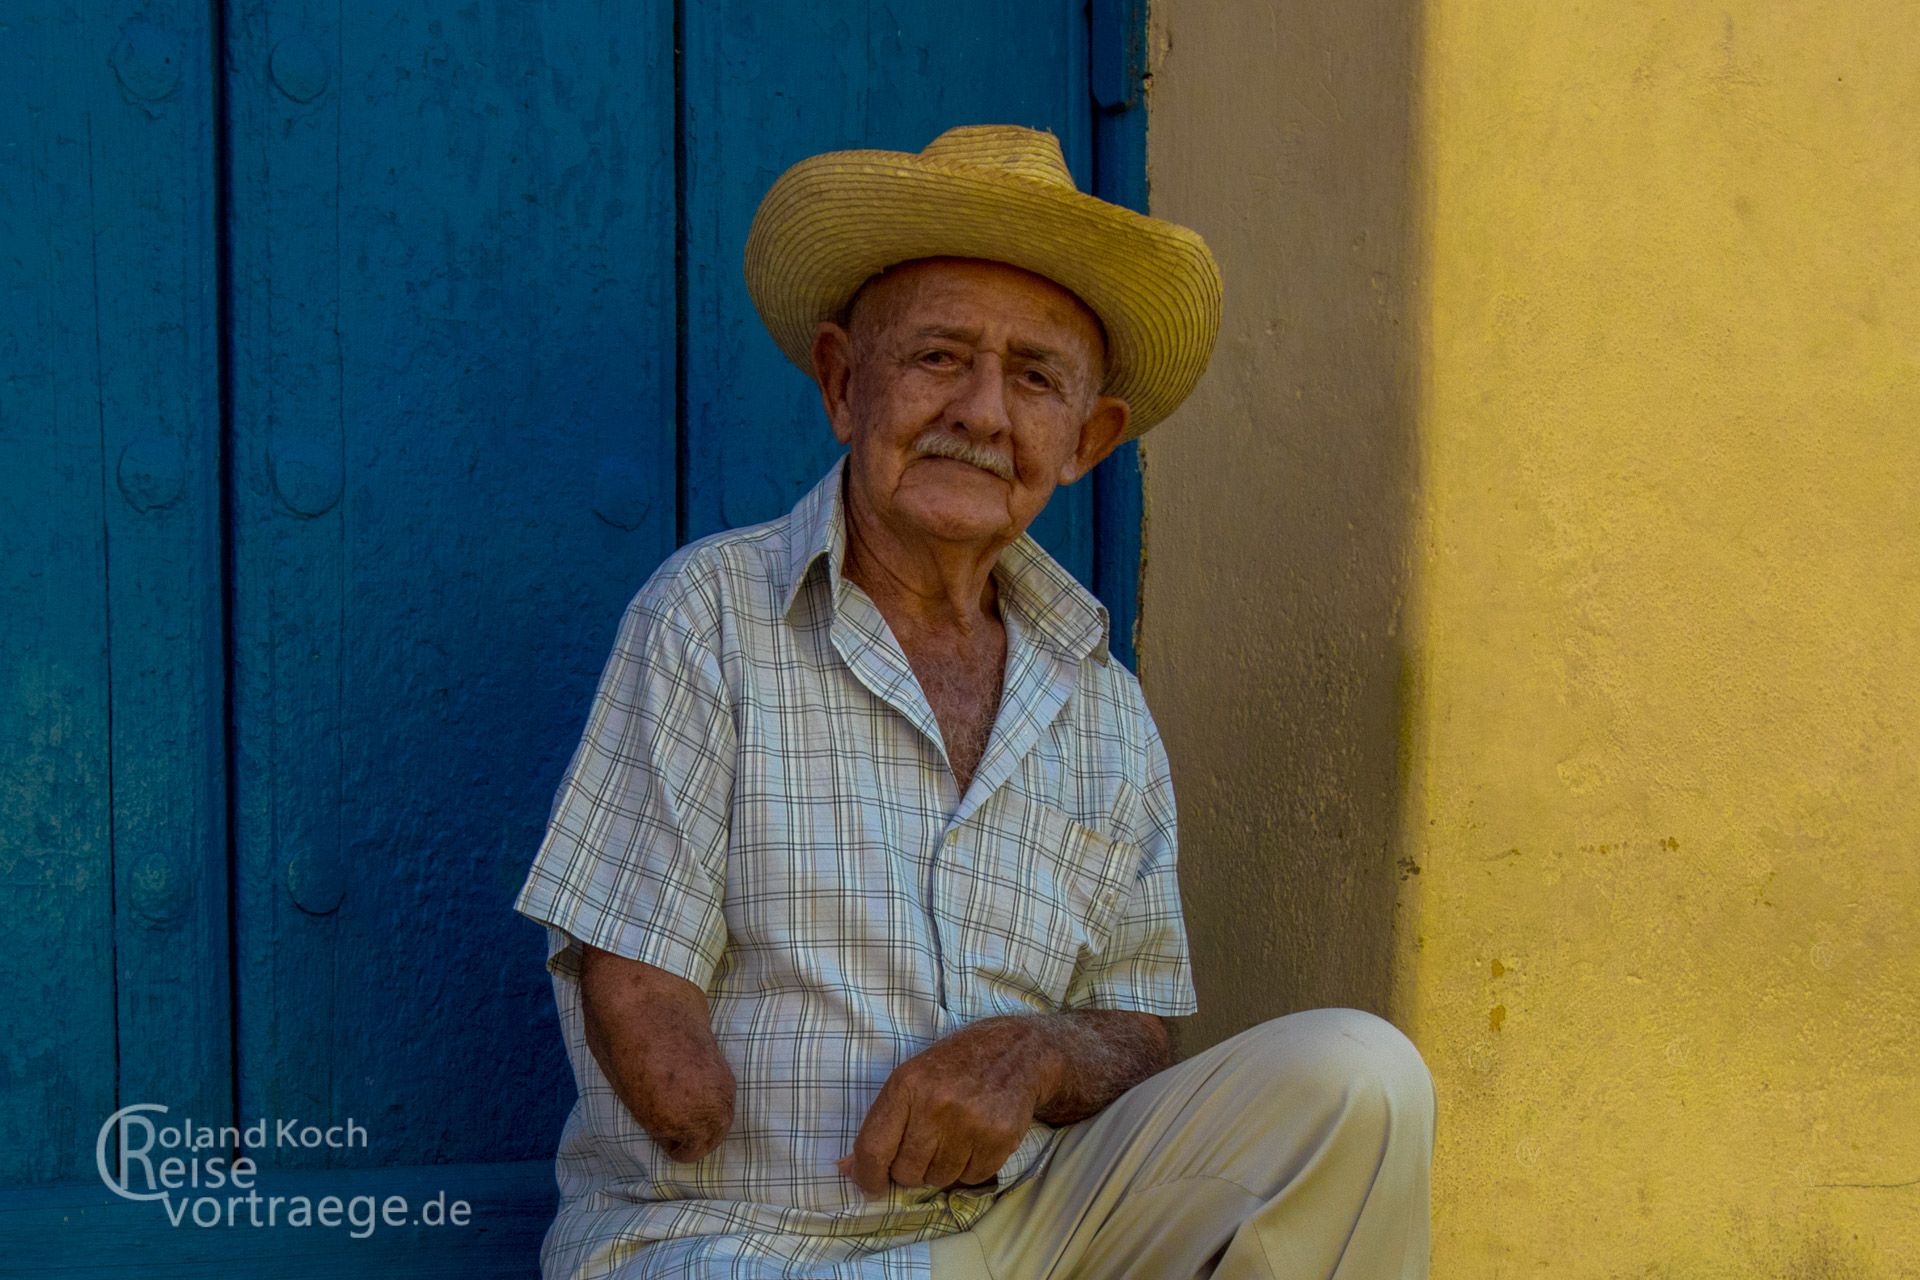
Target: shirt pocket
<point x="1030" y="896"/>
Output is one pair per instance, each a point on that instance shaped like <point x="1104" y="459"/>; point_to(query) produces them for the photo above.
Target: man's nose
<point x="980" y="402"/>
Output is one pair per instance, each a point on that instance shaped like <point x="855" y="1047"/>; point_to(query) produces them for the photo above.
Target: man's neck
<point x="926" y="590"/>
<point x="944" y="609"/>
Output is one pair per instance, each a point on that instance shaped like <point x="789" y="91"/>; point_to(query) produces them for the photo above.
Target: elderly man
<point x="860" y="887"/>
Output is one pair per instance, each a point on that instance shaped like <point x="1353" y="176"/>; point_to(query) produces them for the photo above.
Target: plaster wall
<point x="1653" y="505"/>
<point x="1280" y="497"/>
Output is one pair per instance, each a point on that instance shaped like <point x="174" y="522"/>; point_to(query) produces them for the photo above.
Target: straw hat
<point x="1003" y="193"/>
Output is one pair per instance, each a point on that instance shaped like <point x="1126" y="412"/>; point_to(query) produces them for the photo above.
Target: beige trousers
<point x="1297" y="1150"/>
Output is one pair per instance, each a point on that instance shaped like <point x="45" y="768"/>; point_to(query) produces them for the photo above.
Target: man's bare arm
<point x="1103" y="1053"/>
<point x="652" y="1034"/>
<point x="955" y="1112"/>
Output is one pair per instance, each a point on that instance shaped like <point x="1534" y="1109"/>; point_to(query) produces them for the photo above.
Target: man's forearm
<point x="651" y="1033"/>
<point x="1092" y="1056"/>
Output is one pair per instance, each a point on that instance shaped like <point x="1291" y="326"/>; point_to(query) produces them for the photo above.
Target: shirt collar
<point x="1064" y="615"/>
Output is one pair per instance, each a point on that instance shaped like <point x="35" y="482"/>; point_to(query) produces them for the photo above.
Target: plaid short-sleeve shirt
<point x="762" y="804"/>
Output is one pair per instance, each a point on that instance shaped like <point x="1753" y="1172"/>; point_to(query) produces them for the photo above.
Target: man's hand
<point x="651" y="1033"/>
<point x="954" y="1113"/>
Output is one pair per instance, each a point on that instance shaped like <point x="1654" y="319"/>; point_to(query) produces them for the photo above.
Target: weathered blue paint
<point x="450" y="449"/>
<point x="453" y="433"/>
<point x="1120" y="174"/>
<point x="112" y="790"/>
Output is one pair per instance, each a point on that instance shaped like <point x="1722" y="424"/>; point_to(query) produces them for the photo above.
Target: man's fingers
<point x="878" y="1142"/>
<point x="932" y="1126"/>
<point x="984" y="1165"/>
<point x="918" y="1145"/>
<point x="949" y="1162"/>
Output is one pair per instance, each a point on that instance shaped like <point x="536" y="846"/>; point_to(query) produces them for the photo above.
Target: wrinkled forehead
<point x="902" y="292"/>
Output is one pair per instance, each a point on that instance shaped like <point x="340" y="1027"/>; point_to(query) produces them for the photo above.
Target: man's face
<point x="966" y="391"/>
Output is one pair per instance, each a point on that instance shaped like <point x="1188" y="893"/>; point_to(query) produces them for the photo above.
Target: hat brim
<point x="834" y="221"/>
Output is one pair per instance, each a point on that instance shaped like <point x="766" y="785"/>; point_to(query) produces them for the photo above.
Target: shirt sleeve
<point x="1145" y="966"/>
<point x="634" y="857"/>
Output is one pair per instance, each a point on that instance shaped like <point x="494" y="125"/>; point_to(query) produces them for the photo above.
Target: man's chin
<point x="950" y="516"/>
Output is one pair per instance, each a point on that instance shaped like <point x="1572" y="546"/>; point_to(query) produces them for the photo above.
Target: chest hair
<point x="963" y="686"/>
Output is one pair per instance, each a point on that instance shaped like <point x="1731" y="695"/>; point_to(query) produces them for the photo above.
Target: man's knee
<point x="1346" y="1057"/>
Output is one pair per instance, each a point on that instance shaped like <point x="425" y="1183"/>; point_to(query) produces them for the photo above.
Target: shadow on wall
<point x="1280" y="499"/>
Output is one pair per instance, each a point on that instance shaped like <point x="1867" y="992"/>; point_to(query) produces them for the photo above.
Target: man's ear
<point x="1100" y="435"/>
<point x="833" y="370"/>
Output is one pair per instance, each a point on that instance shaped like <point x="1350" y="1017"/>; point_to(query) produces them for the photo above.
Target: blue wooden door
<point x="358" y="363"/>
<point x="113" y="862"/>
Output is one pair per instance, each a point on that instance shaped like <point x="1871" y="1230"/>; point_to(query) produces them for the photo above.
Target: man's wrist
<point x="1051" y="1060"/>
<point x="1028" y="1050"/>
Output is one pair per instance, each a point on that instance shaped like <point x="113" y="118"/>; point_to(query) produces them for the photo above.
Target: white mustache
<point x="935" y="443"/>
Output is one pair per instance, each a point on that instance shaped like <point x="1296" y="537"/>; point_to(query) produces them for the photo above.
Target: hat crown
<point x="1033" y="154"/>
<point x="999" y="193"/>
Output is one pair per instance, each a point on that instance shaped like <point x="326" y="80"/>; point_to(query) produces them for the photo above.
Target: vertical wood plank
<point x="112" y="821"/>
<point x="288" y="591"/>
<point x="765" y="86"/>
<point x="154" y="152"/>
<point x="56" y="855"/>
<point x="453" y="309"/>
<point x="1118" y="32"/>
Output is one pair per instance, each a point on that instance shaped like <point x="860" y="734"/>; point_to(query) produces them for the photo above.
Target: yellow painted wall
<point x="1658" y="743"/>
<point x="1664" y="948"/>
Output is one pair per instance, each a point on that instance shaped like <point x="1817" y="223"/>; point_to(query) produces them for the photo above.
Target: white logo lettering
<point x="122" y="1122"/>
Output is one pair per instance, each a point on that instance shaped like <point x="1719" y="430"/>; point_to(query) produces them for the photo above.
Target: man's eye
<point x="1038" y="381"/>
<point x="938" y="359"/>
